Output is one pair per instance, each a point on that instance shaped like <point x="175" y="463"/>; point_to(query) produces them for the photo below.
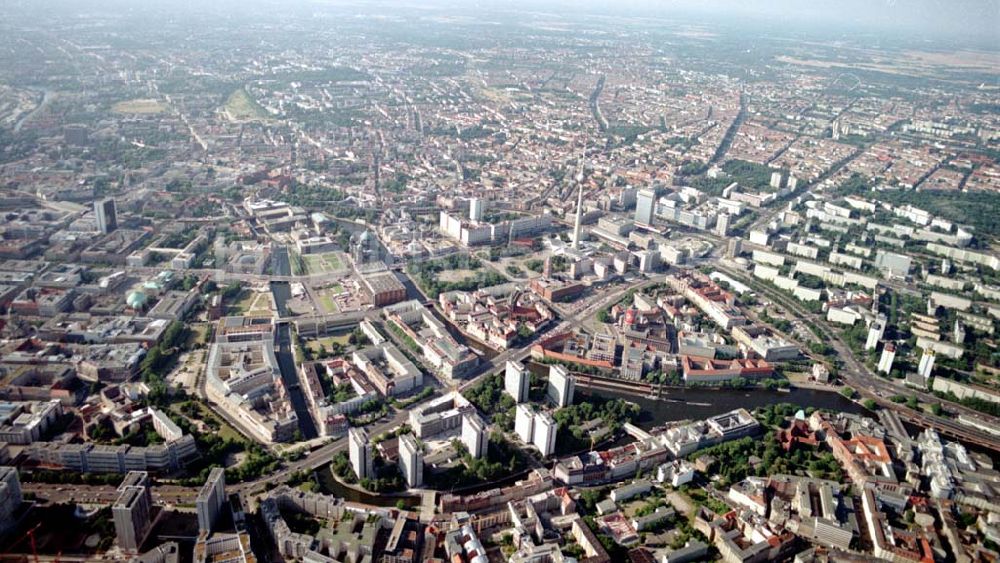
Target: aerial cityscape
<point x="433" y="281"/>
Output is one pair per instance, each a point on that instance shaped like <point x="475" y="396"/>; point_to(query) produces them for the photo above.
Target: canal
<point x="290" y="377"/>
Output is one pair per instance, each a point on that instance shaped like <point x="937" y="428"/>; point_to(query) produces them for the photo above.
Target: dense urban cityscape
<point x="390" y="282"/>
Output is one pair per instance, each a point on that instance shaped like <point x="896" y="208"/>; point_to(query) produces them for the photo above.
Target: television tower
<point x="579" y="203"/>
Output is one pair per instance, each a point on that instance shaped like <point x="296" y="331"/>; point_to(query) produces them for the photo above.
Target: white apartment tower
<point x="475" y="209"/>
<point x="875" y="332"/>
<point x="561" y="386"/>
<point x="411" y="460"/>
<point x="722" y="225"/>
<point x="360" y="451"/>
<point x="524" y="422"/>
<point x="888" y="356"/>
<point x="545" y="434"/>
<point x="474" y="435"/>
<point x="517" y="381"/>
<point x="926" y="364"/>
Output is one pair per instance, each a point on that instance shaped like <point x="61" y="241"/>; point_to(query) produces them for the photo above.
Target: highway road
<point x="106" y="494"/>
<point x="870" y="386"/>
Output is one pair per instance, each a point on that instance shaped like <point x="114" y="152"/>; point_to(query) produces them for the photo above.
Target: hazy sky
<point x="963" y="20"/>
<point x="957" y="18"/>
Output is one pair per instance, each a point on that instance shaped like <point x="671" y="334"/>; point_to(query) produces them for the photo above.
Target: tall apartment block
<point x="360" y="451"/>
<point x="211" y="499"/>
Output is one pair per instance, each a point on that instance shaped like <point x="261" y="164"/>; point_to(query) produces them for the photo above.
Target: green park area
<point x="241" y="106"/>
<point x="146" y="107"/>
<point x="322" y="263"/>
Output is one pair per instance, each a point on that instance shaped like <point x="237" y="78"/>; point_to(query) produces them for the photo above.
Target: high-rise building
<point x="645" y="206"/>
<point x="888" y="356"/>
<point x="776" y="178"/>
<point x="475" y="436"/>
<point x="411" y="460"/>
<point x="958" y="335"/>
<point x="211" y="499"/>
<point x="649" y="260"/>
<point x="545" y="433"/>
<point x="875" y="332"/>
<point x="132" y="511"/>
<point x="360" y="453"/>
<point x="137" y="479"/>
<point x="561" y="386"/>
<point x="722" y="225"/>
<point x="735" y="247"/>
<point x="926" y="366"/>
<point x="517" y="381"/>
<point x="524" y="422"/>
<point x="10" y="497"/>
<point x="107" y="215"/>
<point x="475" y="209"/>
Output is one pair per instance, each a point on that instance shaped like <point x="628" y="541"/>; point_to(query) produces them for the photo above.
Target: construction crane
<point x="31" y="535"/>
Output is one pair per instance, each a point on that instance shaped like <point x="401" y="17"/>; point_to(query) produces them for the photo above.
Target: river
<point x="332" y="486"/>
<point x="699" y="403"/>
<point x="694" y="403"/>
<point x="47" y="97"/>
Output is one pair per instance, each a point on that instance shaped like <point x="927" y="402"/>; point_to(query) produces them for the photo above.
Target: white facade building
<point x="524" y="422"/>
<point x="411" y="460"/>
<point x="517" y="381"/>
<point x="561" y="386"/>
<point x="545" y="433"/>
<point x="475" y="436"/>
<point x="360" y="453"/>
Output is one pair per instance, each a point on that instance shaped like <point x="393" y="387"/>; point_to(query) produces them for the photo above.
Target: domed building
<point x="136" y="300"/>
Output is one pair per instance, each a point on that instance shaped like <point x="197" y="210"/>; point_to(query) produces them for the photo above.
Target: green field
<point x="327" y="342"/>
<point x="139" y="107"/>
<point x="322" y="263"/>
<point x="241" y="107"/>
<point x="326" y="301"/>
<point x="225" y="430"/>
<point x="250" y="302"/>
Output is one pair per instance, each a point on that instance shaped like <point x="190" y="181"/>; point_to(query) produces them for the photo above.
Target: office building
<point x="360" y="453"/>
<point x="517" y="381"/>
<point x="475" y="436"/>
<point x="411" y="460"/>
<point x="10" y="497"/>
<point x="645" y="205"/>
<point x="106" y="213"/>
<point x="561" y="386"/>
<point x="524" y="422"/>
<point x="132" y="511"/>
<point x="926" y="364"/>
<point x="211" y="498"/>
<point x="545" y="433"/>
